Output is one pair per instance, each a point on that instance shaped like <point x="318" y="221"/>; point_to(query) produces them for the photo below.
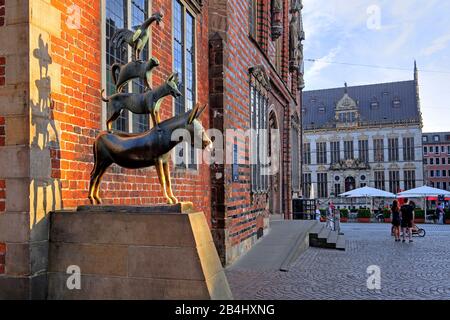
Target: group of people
<point x="403" y="217"/>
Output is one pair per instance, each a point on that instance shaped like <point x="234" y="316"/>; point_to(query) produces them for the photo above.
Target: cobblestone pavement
<point x="420" y="270"/>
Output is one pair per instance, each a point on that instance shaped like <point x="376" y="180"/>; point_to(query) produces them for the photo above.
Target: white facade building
<point x="362" y="136"/>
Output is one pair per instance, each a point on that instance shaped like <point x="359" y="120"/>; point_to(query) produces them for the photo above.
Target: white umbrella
<point x="424" y="191"/>
<point x="367" y="192"/>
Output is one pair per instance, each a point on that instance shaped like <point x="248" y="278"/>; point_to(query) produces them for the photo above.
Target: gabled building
<point x="357" y="136"/>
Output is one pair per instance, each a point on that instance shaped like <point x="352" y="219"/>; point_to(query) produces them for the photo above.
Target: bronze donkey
<point x="147" y="149"/>
<point x="142" y="103"/>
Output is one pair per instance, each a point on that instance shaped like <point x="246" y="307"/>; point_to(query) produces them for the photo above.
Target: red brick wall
<point x="78" y="109"/>
<point x="241" y="210"/>
<point x="2" y="257"/>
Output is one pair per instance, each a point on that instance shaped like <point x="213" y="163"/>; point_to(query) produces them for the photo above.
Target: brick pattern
<point x="2" y="13"/>
<point x="235" y="210"/>
<point x="2" y="70"/>
<point x="2" y="257"/>
<point x="78" y="108"/>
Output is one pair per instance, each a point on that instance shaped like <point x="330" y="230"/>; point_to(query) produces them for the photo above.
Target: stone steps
<point x="321" y="237"/>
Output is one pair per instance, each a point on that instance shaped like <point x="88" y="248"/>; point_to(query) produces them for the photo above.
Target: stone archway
<point x="274" y="196"/>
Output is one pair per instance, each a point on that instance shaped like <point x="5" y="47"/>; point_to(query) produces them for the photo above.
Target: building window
<point x="307" y="153"/>
<point x="235" y="161"/>
<point x="378" y="146"/>
<point x="444" y="185"/>
<point x="307" y="182"/>
<point x="408" y="149"/>
<point x="380" y="182"/>
<point x="396" y="103"/>
<point x="184" y="65"/>
<point x="438" y="161"/>
<point x="394" y="181"/>
<point x="393" y="150"/>
<point x="436" y="150"/>
<point x="425" y="139"/>
<point x="335" y="152"/>
<point x="321" y="152"/>
<point x="444" y="173"/>
<point x="117" y="18"/>
<point x="432" y="173"/>
<point x="442" y="149"/>
<point x="425" y="161"/>
<point x="448" y="149"/>
<point x="259" y="139"/>
<point x="436" y="138"/>
<point x="425" y="150"/>
<point x="295" y="155"/>
<point x="443" y="161"/>
<point x="348" y="150"/>
<point x="322" y="185"/>
<point x="438" y="173"/>
<point x="363" y="146"/>
<point x="253" y="19"/>
<point x="438" y="185"/>
<point x="410" y="179"/>
<point x="337" y="189"/>
<point x="431" y="160"/>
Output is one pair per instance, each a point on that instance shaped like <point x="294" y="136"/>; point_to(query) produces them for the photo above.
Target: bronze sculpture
<point x="137" y="39"/>
<point x="146" y="149"/>
<point x="142" y="103"/>
<point x="121" y="74"/>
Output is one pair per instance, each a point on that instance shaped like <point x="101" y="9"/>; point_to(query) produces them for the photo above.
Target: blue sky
<point x="388" y="33"/>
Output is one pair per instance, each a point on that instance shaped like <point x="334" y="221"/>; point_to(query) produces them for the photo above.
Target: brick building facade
<point x="53" y="64"/>
<point x="436" y="157"/>
<point x="54" y="60"/>
<point x="255" y="82"/>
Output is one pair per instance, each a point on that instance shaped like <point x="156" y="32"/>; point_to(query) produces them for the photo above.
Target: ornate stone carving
<point x="261" y="76"/>
<point x="349" y="164"/>
<point x="296" y="36"/>
<point x="277" y="19"/>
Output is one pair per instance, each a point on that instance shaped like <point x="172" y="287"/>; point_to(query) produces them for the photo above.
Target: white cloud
<point x="321" y="64"/>
<point x="437" y="45"/>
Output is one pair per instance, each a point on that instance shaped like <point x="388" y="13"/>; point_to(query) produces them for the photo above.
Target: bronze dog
<point x="151" y="148"/>
<point x="132" y="70"/>
<point x="142" y="103"/>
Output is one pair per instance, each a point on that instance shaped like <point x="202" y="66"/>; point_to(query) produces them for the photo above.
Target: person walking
<point x="440" y="211"/>
<point x="395" y="209"/>
<point x="337" y="220"/>
<point x="407" y="216"/>
<point x="330" y="216"/>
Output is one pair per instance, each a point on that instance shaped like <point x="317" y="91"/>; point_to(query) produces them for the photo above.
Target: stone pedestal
<point x="163" y="252"/>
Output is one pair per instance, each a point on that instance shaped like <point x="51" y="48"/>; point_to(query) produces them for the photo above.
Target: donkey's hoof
<point x="175" y="200"/>
<point x="170" y="201"/>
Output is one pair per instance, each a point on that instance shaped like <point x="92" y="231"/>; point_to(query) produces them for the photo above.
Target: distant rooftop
<point x="436" y="137"/>
<point x="383" y="103"/>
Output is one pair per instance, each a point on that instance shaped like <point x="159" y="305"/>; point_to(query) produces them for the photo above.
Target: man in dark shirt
<point x="407" y="212"/>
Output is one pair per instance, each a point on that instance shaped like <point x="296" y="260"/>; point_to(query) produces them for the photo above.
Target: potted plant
<point x="419" y="216"/>
<point x="387" y="215"/>
<point x="364" y="215"/>
<point x="344" y="215"/>
<point x="323" y="215"/>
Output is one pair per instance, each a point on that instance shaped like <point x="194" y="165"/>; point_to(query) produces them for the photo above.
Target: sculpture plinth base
<point x="135" y="253"/>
